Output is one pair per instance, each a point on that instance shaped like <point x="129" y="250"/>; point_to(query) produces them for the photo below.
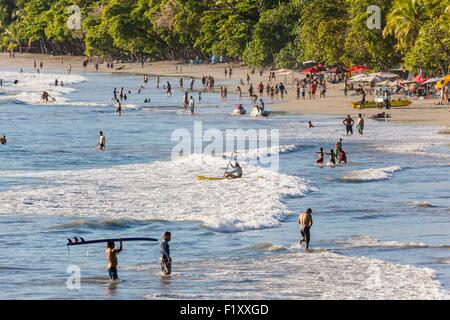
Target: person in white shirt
<point x="101" y="142"/>
<point x="192" y="105"/>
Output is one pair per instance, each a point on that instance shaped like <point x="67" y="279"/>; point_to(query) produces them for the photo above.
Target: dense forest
<point x="280" y="33"/>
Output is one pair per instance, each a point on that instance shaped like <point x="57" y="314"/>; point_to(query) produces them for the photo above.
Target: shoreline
<point x="423" y="112"/>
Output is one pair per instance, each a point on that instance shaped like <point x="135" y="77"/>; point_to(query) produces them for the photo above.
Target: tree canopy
<point x="278" y="33"/>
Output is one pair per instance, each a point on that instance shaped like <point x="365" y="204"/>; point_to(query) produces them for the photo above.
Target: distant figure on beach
<point x="348" y="123"/>
<point x="362" y="102"/>
<point x="3" y="140"/>
<point x="101" y="142"/>
<point x="192" y="84"/>
<point x="192" y="105"/>
<point x="236" y="173"/>
<point x="360" y="124"/>
<point x="321" y="156"/>
<point x="165" y="259"/>
<point x="118" y="107"/>
<point x="310" y="125"/>
<point x="305" y="221"/>
<point x="111" y="259"/>
<point x="56" y="82"/>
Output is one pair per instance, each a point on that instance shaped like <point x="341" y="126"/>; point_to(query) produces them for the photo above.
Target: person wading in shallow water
<point x="165" y="259"/>
<point x="305" y="221"/>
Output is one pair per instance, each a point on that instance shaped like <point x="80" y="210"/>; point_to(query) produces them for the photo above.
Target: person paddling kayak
<point x="236" y="173"/>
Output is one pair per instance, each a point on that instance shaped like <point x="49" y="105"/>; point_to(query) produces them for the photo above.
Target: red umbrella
<point x="337" y="69"/>
<point x="358" y="69"/>
<point x="310" y="70"/>
<point x="420" y="78"/>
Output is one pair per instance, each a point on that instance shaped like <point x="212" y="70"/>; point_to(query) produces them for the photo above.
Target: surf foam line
<point x="30" y="86"/>
<point x="283" y="276"/>
<point x="368" y="175"/>
<point x="163" y="190"/>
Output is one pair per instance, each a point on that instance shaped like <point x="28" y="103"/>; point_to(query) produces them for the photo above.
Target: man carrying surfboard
<point x="111" y="259"/>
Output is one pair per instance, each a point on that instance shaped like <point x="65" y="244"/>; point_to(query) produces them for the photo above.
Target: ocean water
<point x="381" y="223"/>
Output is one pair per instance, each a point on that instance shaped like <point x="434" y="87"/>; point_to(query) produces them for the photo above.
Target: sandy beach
<point x="420" y="112"/>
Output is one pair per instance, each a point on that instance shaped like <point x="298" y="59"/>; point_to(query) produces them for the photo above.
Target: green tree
<point x="405" y="19"/>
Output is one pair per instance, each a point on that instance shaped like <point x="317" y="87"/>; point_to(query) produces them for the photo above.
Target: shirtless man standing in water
<point x="111" y="259"/>
<point x="305" y="221"/>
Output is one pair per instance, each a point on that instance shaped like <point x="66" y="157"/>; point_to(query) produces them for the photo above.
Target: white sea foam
<point x="386" y="137"/>
<point x="163" y="190"/>
<point x="366" y="241"/>
<point x="31" y="85"/>
<point x="320" y="275"/>
<point x="368" y="175"/>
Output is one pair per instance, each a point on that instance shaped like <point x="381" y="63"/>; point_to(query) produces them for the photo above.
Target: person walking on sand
<point x="360" y="124"/>
<point x="305" y="221"/>
<point x="101" y="142"/>
<point x="165" y="259"/>
<point x="111" y="259"/>
<point x="348" y="123"/>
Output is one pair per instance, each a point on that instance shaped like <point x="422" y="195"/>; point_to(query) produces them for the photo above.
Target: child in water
<point x="165" y="259"/>
<point x="332" y="157"/>
<point x="342" y="156"/>
<point x="321" y="155"/>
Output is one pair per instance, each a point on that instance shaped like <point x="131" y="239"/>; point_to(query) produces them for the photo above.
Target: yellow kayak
<point x="374" y="104"/>
<point x="201" y="178"/>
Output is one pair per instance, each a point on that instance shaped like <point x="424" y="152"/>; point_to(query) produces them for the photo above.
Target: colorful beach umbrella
<point x="443" y="82"/>
<point x="420" y="78"/>
<point x="358" y="69"/>
<point x="310" y="70"/>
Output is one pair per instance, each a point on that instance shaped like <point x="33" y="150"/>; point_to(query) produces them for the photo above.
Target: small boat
<point x="256" y="112"/>
<point x="239" y="110"/>
<point x="380" y="103"/>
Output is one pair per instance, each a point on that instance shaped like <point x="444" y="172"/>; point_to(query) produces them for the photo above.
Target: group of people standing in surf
<point x="338" y="155"/>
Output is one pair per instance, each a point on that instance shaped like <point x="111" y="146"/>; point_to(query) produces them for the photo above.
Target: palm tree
<point x="404" y="21"/>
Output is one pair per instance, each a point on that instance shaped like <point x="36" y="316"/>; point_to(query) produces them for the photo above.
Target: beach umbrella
<point x="420" y="78"/>
<point x="433" y="80"/>
<point x="310" y="70"/>
<point x="385" y="75"/>
<point x="310" y="63"/>
<point x="443" y="82"/>
<point x="357" y="78"/>
<point x="337" y="69"/>
<point x="358" y="69"/>
<point x="372" y="79"/>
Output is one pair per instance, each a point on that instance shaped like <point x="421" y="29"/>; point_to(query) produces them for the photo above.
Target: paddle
<point x="231" y="159"/>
